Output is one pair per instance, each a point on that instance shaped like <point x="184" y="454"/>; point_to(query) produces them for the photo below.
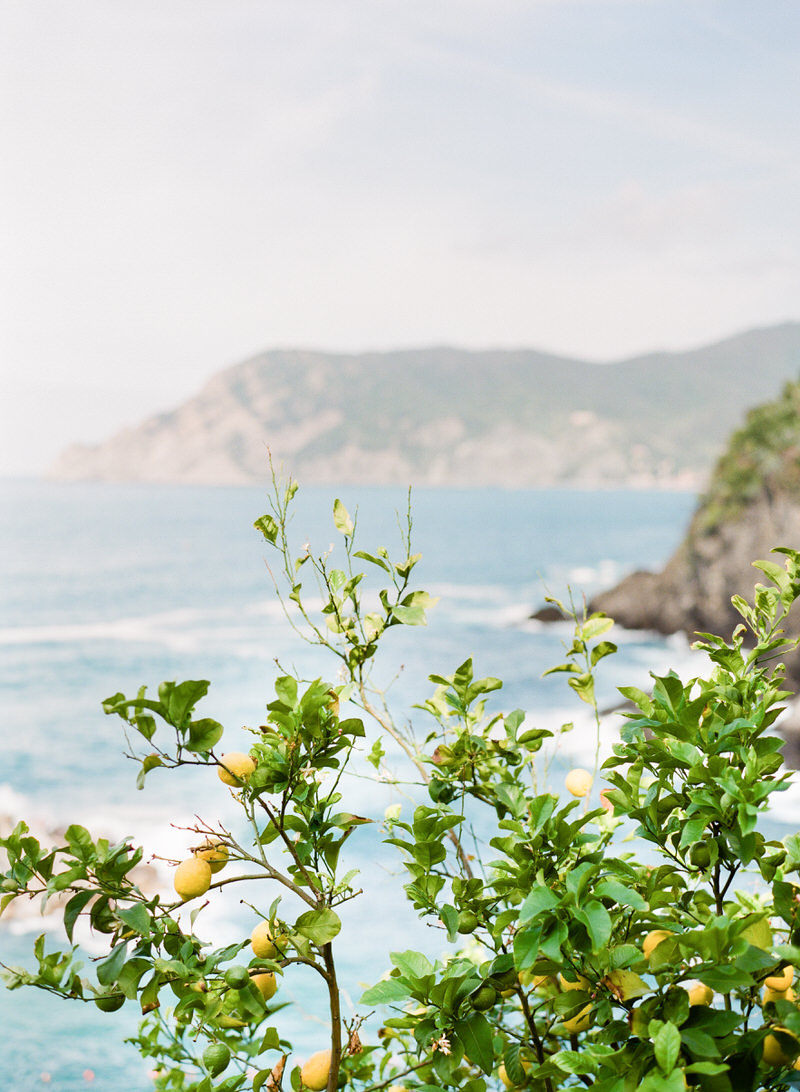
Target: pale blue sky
<point x="187" y="182"/>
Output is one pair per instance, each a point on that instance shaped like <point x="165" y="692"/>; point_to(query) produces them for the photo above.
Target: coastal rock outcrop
<point x="752" y="506"/>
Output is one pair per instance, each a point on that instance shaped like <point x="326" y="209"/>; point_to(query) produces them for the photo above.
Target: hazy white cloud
<point x="188" y="183"/>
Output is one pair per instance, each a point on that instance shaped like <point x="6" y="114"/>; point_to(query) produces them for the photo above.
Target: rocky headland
<point x="451" y="417"/>
<point x="751" y="506"/>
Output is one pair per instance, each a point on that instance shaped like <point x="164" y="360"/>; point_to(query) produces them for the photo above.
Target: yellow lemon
<point x="215" y="852"/>
<point x="700" y="994"/>
<point x="780" y="1049"/>
<point x="776" y="995"/>
<point x="192" y="878"/>
<point x="578" y="782"/>
<point x="314" y="1074"/>
<point x="581" y="984"/>
<point x="652" y="941"/>
<point x="580" y="1022"/>
<point x="265" y="983"/>
<point x="780" y="981"/>
<point x="504" y="1077"/>
<point x="263" y="944"/>
<point x="235" y="768"/>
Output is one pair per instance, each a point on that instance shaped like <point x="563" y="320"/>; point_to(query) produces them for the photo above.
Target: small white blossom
<point x="442" y="1045"/>
<point x="311" y="773"/>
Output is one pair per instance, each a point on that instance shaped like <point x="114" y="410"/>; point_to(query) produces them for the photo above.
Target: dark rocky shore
<point x="752" y="506"/>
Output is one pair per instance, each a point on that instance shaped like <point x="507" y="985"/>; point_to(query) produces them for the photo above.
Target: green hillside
<point x="449" y="416"/>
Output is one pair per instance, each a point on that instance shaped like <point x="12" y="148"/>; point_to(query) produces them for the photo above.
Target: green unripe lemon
<point x="109" y="1002"/>
<point x="700" y="855"/>
<point x="467" y="922"/>
<point x="237" y="977"/>
<point x="483" y="998"/>
<point x="216" y="1057"/>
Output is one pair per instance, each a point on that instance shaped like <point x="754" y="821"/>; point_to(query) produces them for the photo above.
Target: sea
<point x="106" y="588"/>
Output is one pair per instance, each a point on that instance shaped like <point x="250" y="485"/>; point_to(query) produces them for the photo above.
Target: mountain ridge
<point x="450" y="416"/>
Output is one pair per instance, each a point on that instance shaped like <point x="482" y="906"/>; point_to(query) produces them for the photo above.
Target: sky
<point x="186" y="183"/>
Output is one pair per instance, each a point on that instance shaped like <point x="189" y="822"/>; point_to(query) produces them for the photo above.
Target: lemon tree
<point x="640" y="932"/>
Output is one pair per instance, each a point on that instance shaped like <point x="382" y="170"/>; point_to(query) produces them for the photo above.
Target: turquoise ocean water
<point x="105" y="588"/>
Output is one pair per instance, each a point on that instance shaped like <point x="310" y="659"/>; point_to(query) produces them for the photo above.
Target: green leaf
<point x="475" y="1034"/>
<point x="271" y="1041"/>
<point x="376" y="754"/>
<point x="268" y="528"/>
<point x="724" y="978"/>
<point x="341" y="518"/>
<point x="73" y="909"/>
<point x="626" y="985"/>
<point x="575" y="1061"/>
<point x="181" y="698"/>
<point x="373" y="560"/>
<point x="595" y="627"/>
<point x="600" y="651"/>
<point x="319" y="926"/>
<point x="410" y="616"/>
<point x="526" y="947"/>
<point x="583" y="685"/>
<point x="655" y="1082"/>
<point x="513" y="1064"/>
<point x="385" y="992"/>
<point x="412" y="964"/>
<point x="625" y="896"/>
<point x="137" y="918"/>
<point x="420" y="599"/>
<point x="80" y="842"/>
<point x="539" y="901"/>
<point x="203" y="735"/>
<point x="699" y="1042"/>
<point x="667" y="1046"/>
<point x="108" y="970"/>
<point x="638" y="697"/>
<point x="597" y="921"/>
<point x="149" y="762"/>
<point x="428" y="853"/>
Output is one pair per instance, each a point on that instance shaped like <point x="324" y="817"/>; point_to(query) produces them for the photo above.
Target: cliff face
<point x="752" y="506"/>
<point x="445" y="416"/>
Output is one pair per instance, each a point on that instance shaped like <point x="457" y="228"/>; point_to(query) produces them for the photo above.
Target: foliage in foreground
<point x="580" y="955"/>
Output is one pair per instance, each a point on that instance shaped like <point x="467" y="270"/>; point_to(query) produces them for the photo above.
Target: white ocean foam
<point x="605" y="572"/>
<point x="180" y="631"/>
<point x="489" y="592"/>
<point x="491" y="617"/>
